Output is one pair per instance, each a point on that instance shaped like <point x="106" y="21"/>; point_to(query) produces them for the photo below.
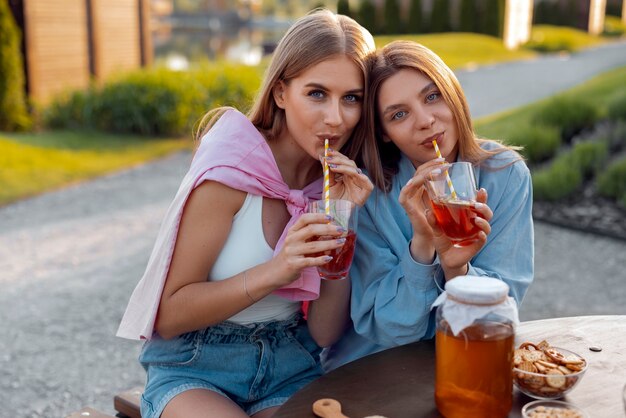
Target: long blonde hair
<point x="313" y="38"/>
<point x="388" y="61"/>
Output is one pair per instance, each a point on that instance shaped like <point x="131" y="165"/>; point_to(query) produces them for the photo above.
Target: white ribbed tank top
<point x="246" y="247"/>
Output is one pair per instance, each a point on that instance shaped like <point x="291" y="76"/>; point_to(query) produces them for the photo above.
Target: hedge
<point x="155" y="102"/>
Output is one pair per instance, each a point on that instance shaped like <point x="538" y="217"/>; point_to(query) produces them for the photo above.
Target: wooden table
<point x="399" y="382"/>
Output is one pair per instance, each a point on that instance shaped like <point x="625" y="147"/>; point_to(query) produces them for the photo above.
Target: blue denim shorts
<point x="257" y="366"/>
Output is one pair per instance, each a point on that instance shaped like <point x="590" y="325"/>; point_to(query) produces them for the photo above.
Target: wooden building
<point x="66" y="43"/>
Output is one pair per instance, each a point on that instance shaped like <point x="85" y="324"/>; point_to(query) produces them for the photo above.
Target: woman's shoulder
<point x="226" y="121"/>
<point x="502" y="157"/>
<point x="216" y="197"/>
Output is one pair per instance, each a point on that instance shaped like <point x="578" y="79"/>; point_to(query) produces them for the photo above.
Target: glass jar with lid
<point x="476" y="322"/>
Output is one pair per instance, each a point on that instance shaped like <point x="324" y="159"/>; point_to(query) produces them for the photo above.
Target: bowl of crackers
<point x="542" y="371"/>
<point x="552" y="409"/>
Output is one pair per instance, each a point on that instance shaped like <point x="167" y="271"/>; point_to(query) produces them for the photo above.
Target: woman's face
<point x="413" y="113"/>
<point x="325" y="101"/>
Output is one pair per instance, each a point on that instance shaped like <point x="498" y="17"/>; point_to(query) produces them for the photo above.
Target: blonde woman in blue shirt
<point x="403" y="260"/>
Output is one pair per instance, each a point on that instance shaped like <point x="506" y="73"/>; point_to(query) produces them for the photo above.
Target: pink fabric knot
<point x="296" y="202"/>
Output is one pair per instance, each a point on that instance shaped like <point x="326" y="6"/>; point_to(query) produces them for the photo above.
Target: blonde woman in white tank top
<point x="222" y="344"/>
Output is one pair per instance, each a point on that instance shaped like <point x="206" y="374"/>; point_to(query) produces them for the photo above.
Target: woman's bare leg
<point x="202" y="403"/>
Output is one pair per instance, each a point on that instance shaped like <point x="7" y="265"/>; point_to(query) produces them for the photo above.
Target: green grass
<point x="460" y="50"/>
<point x="560" y="38"/>
<point x="598" y="91"/>
<point x="38" y="162"/>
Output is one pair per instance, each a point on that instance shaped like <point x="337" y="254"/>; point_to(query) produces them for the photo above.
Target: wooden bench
<point x="125" y="403"/>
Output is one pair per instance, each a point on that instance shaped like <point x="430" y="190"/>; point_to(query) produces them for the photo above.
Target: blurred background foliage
<point x="572" y="139"/>
<point x="155" y="101"/>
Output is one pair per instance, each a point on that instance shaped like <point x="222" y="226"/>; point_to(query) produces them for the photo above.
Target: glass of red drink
<point x="344" y="213"/>
<point x="452" y="194"/>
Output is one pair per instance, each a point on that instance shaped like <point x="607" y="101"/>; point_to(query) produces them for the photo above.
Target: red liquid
<point x="456" y="218"/>
<point x="338" y="267"/>
<point x="473" y="376"/>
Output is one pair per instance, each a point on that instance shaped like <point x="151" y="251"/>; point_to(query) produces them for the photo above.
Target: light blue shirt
<point x="392" y="293"/>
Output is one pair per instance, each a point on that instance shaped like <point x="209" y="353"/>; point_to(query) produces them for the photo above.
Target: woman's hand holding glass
<point x="414" y="200"/>
<point x="300" y="244"/>
<point x="347" y="182"/>
<point x="454" y="258"/>
<point x="428" y="237"/>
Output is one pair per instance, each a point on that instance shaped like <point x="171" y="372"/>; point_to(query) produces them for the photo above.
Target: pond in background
<point x="248" y="43"/>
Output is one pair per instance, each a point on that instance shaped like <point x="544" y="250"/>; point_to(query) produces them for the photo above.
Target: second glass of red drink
<point x="344" y="213"/>
<point x="452" y="193"/>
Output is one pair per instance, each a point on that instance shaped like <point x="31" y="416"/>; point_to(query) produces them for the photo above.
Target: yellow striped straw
<point x="448" y="179"/>
<point x="326" y="180"/>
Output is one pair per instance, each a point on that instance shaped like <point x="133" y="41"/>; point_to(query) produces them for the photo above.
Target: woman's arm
<point x="189" y="301"/>
<point x="509" y="251"/>
<point x="391" y="292"/>
<point x="328" y="316"/>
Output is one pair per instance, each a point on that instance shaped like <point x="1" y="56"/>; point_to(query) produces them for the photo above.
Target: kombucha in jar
<point x="473" y="373"/>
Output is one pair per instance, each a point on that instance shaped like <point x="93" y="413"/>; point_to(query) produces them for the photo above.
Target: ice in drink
<point x="474" y="371"/>
<point x="338" y="267"/>
<point x="456" y="218"/>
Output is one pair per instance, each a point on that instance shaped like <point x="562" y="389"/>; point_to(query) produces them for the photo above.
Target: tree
<point x="393" y="24"/>
<point x="343" y="7"/>
<point x="440" y="17"/>
<point x="492" y="13"/>
<point x="13" y="111"/>
<point x="367" y="15"/>
<point x="467" y="22"/>
<point x="416" y="17"/>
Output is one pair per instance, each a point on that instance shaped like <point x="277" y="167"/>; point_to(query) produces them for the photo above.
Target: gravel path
<point x="70" y="259"/>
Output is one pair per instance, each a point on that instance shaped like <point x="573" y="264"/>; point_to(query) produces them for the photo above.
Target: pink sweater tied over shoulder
<point x="234" y="153"/>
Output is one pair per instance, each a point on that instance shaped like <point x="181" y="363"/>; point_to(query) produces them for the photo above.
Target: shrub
<point x="613" y="26"/>
<point x="540" y="142"/>
<point x="155" y="102"/>
<point x="492" y="17"/>
<point x="616" y="109"/>
<point x="468" y="15"/>
<point x="559" y="180"/>
<point x="616" y="136"/>
<point x="589" y="156"/>
<point x="548" y="46"/>
<point x="367" y="16"/>
<point x="152" y="103"/>
<point x="570" y="116"/>
<point x="343" y="7"/>
<point x="545" y="12"/>
<point x="13" y="110"/>
<point x="393" y="24"/>
<point x="440" y="16"/>
<point x="416" y="23"/>
<point x="612" y="182"/>
<point x="69" y="111"/>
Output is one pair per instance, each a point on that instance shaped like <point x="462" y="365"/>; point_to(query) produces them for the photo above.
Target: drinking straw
<point x="448" y="179"/>
<point x="326" y="180"/>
